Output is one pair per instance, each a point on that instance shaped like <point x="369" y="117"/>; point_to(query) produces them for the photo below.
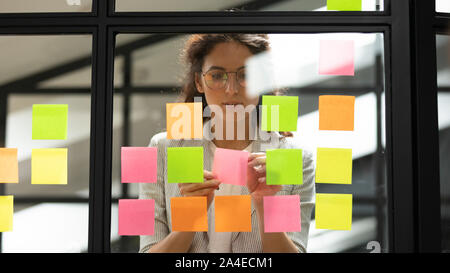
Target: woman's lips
<point x="232" y="103"/>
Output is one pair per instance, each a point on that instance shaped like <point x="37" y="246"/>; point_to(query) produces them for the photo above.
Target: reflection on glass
<point x="30" y="6"/>
<point x="154" y="73"/>
<point x="32" y="68"/>
<point x="236" y="5"/>
<point x="442" y="6"/>
<point x="443" y="77"/>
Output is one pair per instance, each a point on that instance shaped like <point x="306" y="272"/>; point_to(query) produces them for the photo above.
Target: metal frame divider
<point x="426" y="130"/>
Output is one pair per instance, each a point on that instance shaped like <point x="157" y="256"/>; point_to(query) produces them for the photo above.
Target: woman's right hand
<point x="206" y="188"/>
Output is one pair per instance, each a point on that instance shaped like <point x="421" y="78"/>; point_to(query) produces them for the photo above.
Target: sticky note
<point x="333" y="211"/>
<point x="279" y="113"/>
<point x="337" y="58"/>
<point x="139" y="164"/>
<point x="344" y="5"/>
<point x="185" y="164"/>
<point x="337" y="113"/>
<point x="49" y="121"/>
<point x="282" y="213"/>
<point x="334" y="166"/>
<point x="189" y="213"/>
<point x="233" y="213"/>
<point x="49" y="166"/>
<point x="136" y="216"/>
<point x="9" y="165"/>
<point x="184" y="120"/>
<point x="284" y="167"/>
<point x="6" y="213"/>
<point x="230" y="166"/>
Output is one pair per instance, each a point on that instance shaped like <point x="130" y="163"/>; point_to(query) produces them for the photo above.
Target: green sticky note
<point x="279" y="113"/>
<point x="344" y="5"/>
<point x="284" y="167"/>
<point x="333" y="211"/>
<point x="334" y="166"/>
<point x="50" y="121"/>
<point x="185" y="164"/>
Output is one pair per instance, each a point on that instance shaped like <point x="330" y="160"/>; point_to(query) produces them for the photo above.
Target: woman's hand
<point x="256" y="177"/>
<point x="201" y="189"/>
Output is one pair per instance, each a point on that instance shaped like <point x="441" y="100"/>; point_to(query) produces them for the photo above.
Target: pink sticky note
<point x="282" y="213"/>
<point x="139" y="164"/>
<point x="136" y="216"/>
<point x="230" y="166"/>
<point x="337" y="58"/>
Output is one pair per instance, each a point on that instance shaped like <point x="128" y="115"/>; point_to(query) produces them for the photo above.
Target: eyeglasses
<point x="217" y="79"/>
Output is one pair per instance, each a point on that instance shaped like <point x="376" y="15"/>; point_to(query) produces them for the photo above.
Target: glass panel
<point x="154" y="73"/>
<point x="47" y="217"/>
<point x="443" y="65"/>
<point x="442" y="6"/>
<point x="30" y="6"/>
<point x="244" y="5"/>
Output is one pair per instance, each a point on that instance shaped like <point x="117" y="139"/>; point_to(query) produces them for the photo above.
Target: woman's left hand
<point x="256" y="177"/>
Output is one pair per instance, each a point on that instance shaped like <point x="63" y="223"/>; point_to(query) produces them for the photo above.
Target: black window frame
<point x="409" y="28"/>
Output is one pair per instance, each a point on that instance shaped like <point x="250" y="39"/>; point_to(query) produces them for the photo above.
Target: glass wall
<point x="442" y="6"/>
<point x="247" y="5"/>
<point x="443" y="78"/>
<point x="33" y="6"/>
<point x="50" y="146"/>
<point x="153" y="74"/>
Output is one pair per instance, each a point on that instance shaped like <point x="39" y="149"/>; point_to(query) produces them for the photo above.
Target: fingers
<point x="202" y="192"/>
<point x="261" y="160"/>
<point x="261" y="169"/>
<point x="208" y="175"/>
<point x="193" y="187"/>
<point x="255" y="155"/>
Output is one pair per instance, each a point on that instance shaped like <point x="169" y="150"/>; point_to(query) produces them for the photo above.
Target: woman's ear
<point x="198" y="84"/>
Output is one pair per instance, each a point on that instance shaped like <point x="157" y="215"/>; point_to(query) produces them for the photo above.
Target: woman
<point x="211" y="57"/>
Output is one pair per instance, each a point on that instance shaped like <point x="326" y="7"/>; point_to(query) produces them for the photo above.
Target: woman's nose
<point x="232" y="85"/>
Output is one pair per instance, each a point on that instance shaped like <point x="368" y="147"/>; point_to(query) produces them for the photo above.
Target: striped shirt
<point x="241" y="242"/>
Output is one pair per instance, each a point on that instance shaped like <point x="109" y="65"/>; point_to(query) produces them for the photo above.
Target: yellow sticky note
<point x="49" y="166"/>
<point x="334" y="211"/>
<point x="334" y="166"/>
<point x="6" y="213"/>
<point x="9" y="166"/>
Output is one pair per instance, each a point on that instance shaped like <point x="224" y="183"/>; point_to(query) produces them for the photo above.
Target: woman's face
<point x="229" y="57"/>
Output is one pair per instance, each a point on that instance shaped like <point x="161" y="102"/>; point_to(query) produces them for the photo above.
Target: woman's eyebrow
<point x="222" y="68"/>
<point x="216" y="67"/>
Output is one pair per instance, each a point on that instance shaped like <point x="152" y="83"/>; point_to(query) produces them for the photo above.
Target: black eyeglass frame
<point x="227" y="79"/>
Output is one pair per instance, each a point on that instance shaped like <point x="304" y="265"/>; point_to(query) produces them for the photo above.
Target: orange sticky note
<point x="184" y="120"/>
<point x="233" y="213"/>
<point x="189" y="213"/>
<point x="9" y="165"/>
<point x="336" y="113"/>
